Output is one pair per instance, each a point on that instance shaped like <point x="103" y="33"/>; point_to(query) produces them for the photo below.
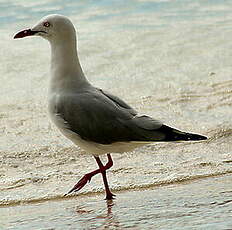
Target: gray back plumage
<point x="98" y="116"/>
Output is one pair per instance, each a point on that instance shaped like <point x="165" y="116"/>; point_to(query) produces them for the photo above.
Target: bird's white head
<point x="53" y="27"/>
<point x="61" y="34"/>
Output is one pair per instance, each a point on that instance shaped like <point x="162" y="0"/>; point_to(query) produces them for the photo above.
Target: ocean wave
<point x="165" y="182"/>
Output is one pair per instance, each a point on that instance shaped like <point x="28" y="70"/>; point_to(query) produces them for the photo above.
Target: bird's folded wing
<point x="103" y="118"/>
<point x="118" y="101"/>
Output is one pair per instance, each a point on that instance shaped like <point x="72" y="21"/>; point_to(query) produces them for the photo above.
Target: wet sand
<point x="199" y="204"/>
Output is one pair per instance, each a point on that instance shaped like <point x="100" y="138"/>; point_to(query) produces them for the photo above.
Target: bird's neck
<point x="65" y="66"/>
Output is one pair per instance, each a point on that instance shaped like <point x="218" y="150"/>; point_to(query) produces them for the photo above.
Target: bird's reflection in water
<point x="102" y="217"/>
<point x="111" y="219"/>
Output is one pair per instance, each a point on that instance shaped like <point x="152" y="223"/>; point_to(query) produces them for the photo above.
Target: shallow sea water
<point x="169" y="59"/>
<point x="177" y="206"/>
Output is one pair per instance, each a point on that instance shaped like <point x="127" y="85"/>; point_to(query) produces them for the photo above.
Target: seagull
<point x="92" y="118"/>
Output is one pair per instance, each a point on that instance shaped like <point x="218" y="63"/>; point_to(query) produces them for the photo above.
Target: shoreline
<point x="183" y="181"/>
<point x="181" y="205"/>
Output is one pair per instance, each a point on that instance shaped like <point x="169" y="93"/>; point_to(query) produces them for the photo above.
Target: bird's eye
<point x="46" y="24"/>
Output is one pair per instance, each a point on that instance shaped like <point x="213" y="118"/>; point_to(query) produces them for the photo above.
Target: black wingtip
<point x="196" y="137"/>
<point x="204" y="138"/>
<point x="190" y="137"/>
<point x="177" y="135"/>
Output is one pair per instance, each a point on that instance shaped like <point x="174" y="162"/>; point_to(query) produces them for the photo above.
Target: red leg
<point x="109" y="194"/>
<point x="87" y="177"/>
<point x="82" y="182"/>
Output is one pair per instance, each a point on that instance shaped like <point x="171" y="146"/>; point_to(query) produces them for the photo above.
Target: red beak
<point x="25" y="33"/>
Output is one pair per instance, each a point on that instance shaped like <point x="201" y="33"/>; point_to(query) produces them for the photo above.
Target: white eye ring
<point x="46" y="24"/>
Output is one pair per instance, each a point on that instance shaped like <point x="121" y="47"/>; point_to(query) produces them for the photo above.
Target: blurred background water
<point x="168" y="59"/>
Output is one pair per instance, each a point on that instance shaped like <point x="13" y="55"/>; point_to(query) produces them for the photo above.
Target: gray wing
<point x="118" y="101"/>
<point x="103" y="118"/>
